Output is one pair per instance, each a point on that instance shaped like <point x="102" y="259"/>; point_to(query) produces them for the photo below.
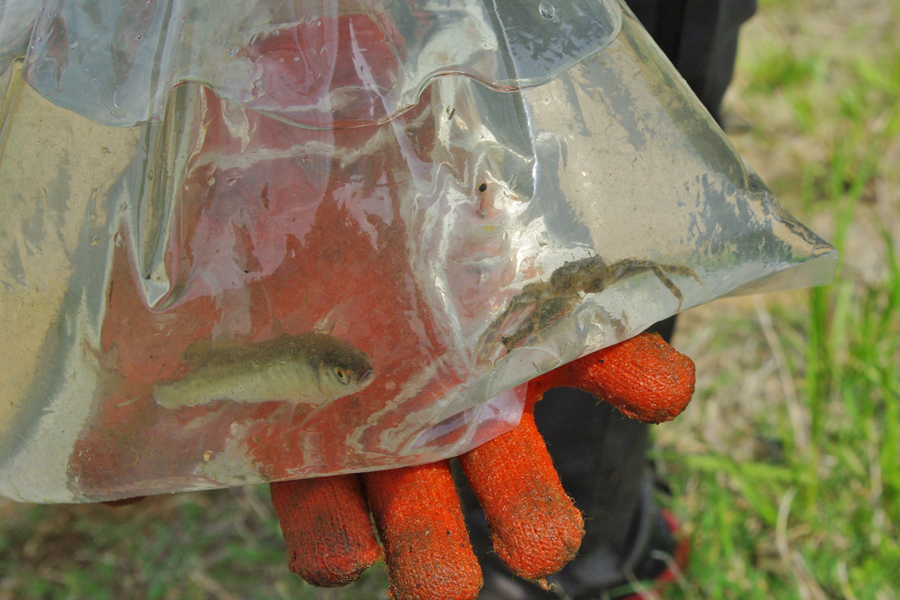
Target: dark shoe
<point x="666" y="566"/>
<point x="662" y="563"/>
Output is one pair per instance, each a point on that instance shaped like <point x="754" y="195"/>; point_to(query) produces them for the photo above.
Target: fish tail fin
<point x="167" y="397"/>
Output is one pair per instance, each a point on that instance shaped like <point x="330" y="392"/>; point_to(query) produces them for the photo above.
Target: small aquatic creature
<point x="310" y="368"/>
<point x="550" y="300"/>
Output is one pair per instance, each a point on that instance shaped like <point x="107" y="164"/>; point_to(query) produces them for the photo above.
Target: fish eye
<point x="342" y="375"/>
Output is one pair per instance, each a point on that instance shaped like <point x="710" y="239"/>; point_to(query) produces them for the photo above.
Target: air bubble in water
<point x="548" y="11"/>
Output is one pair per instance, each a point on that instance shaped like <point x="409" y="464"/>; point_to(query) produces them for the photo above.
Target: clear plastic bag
<point x="209" y="289"/>
<point x="316" y="63"/>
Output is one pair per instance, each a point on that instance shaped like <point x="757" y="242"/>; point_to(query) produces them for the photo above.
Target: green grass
<point x="819" y="518"/>
<point x="787" y="464"/>
<point x="225" y="544"/>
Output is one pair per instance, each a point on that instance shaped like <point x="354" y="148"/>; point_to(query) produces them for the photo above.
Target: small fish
<point x="310" y="368"/>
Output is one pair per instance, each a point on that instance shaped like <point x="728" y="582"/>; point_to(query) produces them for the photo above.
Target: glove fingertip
<point x="327" y="529"/>
<point x="426" y="544"/>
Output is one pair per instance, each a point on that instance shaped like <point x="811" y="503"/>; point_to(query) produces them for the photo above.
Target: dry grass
<point x="786" y="458"/>
<point x="786" y="464"/>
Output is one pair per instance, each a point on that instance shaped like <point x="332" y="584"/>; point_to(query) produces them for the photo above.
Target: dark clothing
<point x="700" y="38"/>
<point x="599" y="454"/>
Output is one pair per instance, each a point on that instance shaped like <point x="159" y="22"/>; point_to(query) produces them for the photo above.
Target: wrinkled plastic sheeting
<point x="310" y="62"/>
<point x="468" y="244"/>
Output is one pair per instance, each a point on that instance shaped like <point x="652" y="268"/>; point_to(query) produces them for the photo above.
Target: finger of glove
<point x="644" y="377"/>
<point x="535" y="527"/>
<point x="426" y="544"/>
<point x="327" y="528"/>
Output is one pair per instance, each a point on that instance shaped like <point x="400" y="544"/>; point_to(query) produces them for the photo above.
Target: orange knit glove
<point x="535" y="527"/>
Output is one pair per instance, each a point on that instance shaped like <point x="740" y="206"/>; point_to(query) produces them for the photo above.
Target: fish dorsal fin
<point x="325" y="326"/>
<point x="276" y="329"/>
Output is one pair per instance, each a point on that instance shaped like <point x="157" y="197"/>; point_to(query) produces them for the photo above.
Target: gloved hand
<point x="536" y="529"/>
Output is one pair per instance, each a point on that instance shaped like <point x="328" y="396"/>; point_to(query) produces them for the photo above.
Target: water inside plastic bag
<point x="184" y="295"/>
